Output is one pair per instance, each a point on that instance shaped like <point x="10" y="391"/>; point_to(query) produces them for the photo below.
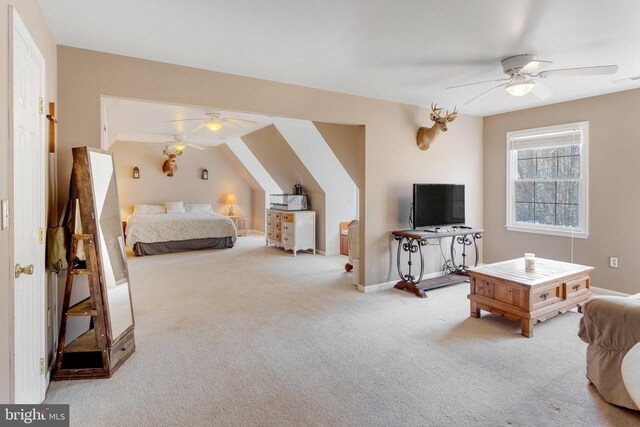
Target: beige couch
<point x="611" y="327"/>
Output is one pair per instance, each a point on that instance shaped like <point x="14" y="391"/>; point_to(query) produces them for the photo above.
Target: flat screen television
<point x="437" y="204"/>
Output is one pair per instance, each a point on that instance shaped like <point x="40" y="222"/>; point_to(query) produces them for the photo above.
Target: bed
<point x="151" y="232"/>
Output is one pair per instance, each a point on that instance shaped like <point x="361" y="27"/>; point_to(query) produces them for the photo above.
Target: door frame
<point x="17" y="24"/>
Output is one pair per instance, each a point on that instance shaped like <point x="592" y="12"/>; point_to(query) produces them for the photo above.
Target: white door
<point x="28" y="216"/>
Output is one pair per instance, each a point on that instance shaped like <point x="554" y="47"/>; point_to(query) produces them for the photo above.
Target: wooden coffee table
<point x="506" y="289"/>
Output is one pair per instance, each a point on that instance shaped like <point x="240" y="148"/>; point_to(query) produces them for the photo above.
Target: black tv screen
<point x="438" y="204"/>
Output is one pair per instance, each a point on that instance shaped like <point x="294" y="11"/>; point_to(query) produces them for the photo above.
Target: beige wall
<point x="258" y="211"/>
<point x="455" y="157"/>
<point x="285" y="167"/>
<point x="32" y="16"/>
<point x="186" y="185"/>
<point x="347" y="143"/>
<point x="614" y="199"/>
<point x="391" y="160"/>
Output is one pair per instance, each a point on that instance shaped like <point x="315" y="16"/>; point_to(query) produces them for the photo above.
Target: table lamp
<point x="231" y="200"/>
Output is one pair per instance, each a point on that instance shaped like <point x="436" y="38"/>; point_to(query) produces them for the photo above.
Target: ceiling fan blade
<point x="486" y="92"/>
<point x="183" y="120"/>
<point x="628" y="79"/>
<point x="196" y="146"/>
<point x="478" y="83"/>
<point x="580" y="71"/>
<point x="230" y="124"/>
<point x="240" y="121"/>
<point x="534" y="67"/>
<point x="200" y="126"/>
<point x="541" y="90"/>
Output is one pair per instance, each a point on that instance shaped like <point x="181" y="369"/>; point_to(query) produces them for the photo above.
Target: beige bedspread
<point x="171" y="227"/>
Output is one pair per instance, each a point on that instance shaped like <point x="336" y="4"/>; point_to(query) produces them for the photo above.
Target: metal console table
<point x="412" y="241"/>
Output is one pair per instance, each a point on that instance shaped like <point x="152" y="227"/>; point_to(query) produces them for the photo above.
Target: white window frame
<point x="582" y="231"/>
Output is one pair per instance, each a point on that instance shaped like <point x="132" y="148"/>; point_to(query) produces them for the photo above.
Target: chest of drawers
<point x="292" y="231"/>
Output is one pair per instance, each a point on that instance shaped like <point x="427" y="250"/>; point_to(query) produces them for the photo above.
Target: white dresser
<point x="293" y="231"/>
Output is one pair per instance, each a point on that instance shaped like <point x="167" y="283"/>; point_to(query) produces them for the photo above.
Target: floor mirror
<point x="97" y="262"/>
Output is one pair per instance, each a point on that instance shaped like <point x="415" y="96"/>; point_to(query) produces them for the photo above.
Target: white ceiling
<point x="140" y="121"/>
<point x="406" y="51"/>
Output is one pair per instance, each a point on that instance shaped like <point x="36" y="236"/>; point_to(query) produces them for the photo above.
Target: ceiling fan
<point x="524" y="72"/>
<point x="214" y="121"/>
<point x="179" y="143"/>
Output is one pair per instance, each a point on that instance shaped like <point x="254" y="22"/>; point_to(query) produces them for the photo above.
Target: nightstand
<point x="241" y="224"/>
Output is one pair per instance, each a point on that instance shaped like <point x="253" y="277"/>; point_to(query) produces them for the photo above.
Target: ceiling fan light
<point x="520" y="87"/>
<point x="213" y="126"/>
<point x="179" y="147"/>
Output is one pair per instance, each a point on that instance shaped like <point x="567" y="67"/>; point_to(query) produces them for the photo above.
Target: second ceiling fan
<point x="524" y="72"/>
<point x="179" y="143"/>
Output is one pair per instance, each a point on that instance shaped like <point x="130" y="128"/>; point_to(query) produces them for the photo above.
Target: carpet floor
<point x="251" y="336"/>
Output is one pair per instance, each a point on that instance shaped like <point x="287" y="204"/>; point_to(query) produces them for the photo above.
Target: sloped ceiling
<point x="279" y="159"/>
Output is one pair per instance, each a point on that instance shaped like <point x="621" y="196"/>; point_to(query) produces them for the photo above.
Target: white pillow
<point x="138" y="209"/>
<point x="174" y="207"/>
<point x="149" y="209"/>
<point x="155" y="209"/>
<point x="198" y="208"/>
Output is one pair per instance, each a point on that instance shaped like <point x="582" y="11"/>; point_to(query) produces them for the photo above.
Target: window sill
<point x="547" y="231"/>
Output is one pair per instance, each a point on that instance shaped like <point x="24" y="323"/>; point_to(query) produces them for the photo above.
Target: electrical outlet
<point x="613" y="262"/>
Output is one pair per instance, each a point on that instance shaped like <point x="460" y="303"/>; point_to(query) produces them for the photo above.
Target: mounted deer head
<point x="425" y="136"/>
<point x="170" y="167"/>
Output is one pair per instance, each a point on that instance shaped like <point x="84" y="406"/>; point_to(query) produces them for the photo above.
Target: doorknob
<point x="26" y="270"/>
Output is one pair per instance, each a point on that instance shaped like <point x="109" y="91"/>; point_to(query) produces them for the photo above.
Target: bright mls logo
<point x="35" y="415"/>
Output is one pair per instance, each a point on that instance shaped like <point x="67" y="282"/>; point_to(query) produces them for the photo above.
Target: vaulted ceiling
<point x="407" y="51"/>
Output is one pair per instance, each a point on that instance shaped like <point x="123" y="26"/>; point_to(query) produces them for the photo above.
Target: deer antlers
<point x="449" y="116"/>
<point x="168" y="153"/>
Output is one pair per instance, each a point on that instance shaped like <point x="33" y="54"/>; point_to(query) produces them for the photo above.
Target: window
<point x="547" y="180"/>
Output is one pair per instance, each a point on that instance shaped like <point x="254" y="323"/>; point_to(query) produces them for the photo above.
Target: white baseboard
<point x="602" y="291"/>
<point x="379" y="287"/>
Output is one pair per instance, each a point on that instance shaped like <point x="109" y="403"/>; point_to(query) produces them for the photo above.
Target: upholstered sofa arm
<point x="611" y="323"/>
<point x="611" y="326"/>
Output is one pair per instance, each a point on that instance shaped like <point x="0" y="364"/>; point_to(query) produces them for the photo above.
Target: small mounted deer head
<point x="170" y="167"/>
<point x="425" y="136"/>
